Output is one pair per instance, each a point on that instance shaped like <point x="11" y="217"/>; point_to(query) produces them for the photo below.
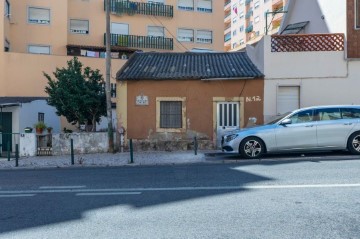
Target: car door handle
<point x="347" y="123"/>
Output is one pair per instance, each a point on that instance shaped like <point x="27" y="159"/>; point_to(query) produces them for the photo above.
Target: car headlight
<point x="230" y="137"/>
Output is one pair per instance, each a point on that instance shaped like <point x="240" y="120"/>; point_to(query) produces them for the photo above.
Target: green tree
<point x="77" y="94"/>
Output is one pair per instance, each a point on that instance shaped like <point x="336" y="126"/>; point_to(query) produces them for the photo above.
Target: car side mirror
<point x="286" y="122"/>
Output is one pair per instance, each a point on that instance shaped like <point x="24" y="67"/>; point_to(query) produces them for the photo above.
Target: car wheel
<point x="252" y="148"/>
<point x="354" y="143"/>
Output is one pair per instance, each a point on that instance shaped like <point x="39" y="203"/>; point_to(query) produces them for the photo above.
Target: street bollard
<point x="131" y="152"/>
<point x="8" y="150"/>
<point x="72" y="151"/>
<point x="195" y="145"/>
<point x="16" y="155"/>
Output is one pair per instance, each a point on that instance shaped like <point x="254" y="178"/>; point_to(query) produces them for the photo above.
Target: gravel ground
<point x="106" y="159"/>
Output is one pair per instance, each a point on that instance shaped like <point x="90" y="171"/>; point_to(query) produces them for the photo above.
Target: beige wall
<point x="26" y="70"/>
<point x="23" y="33"/>
<point x="141" y="120"/>
<point x="58" y="36"/>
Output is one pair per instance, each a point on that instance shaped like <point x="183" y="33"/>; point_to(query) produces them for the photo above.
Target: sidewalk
<point x="106" y="159"/>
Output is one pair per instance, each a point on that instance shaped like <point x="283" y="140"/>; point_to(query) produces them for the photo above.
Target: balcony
<point x="227" y="5"/>
<point x="249" y="14"/>
<point x="249" y="29"/>
<point x="277" y="3"/>
<point x="141" y="41"/>
<point x="313" y="42"/>
<point x="247" y="2"/>
<point x="120" y="7"/>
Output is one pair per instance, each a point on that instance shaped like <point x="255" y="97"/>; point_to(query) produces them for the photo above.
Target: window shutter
<point x="120" y="28"/>
<point x="156" y="1"/>
<point x="186" y="4"/>
<point x="39" y="15"/>
<point x="204" y="5"/>
<point x="171" y="114"/>
<point x="204" y="36"/>
<point x="156" y="31"/>
<point x="39" y="49"/>
<point x="79" y="26"/>
<point x="186" y="35"/>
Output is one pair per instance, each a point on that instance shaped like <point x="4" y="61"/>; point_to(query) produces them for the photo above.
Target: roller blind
<point x="203" y="36"/>
<point x="39" y="15"/>
<point x="79" y="26"/>
<point x="186" y="5"/>
<point x="204" y="5"/>
<point x="119" y="28"/>
<point x="156" y="31"/>
<point x="186" y="35"/>
<point x="39" y="49"/>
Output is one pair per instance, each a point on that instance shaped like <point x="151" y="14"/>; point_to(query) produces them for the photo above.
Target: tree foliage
<point x="77" y="94"/>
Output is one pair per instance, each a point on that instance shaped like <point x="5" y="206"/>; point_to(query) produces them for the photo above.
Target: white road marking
<point x="62" y="187"/>
<point x="16" y="195"/>
<point x="114" y="190"/>
<point x="108" y="194"/>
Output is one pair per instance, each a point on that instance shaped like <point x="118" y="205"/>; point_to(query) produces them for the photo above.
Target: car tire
<point x="252" y="148"/>
<point x="354" y="143"/>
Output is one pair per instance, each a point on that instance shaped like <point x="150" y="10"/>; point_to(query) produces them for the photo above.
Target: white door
<point x="228" y="119"/>
<point x="288" y="99"/>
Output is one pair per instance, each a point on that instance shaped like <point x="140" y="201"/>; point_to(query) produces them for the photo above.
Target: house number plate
<point x="142" y="100"/>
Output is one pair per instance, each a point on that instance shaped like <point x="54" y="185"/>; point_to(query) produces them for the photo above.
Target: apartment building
<point x="40" y="35"/>
<point x="246" y="21"/>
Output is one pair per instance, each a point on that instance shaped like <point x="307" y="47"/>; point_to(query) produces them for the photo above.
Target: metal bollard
<point x="72" y="151"/>
<point x="195" y="145"/>
<point x="16" y="155"/>
<point x="8" y="150"/>
<point x="131" y="152"/>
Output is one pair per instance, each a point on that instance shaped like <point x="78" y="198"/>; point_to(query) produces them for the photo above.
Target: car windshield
<point x="277" y="118"/>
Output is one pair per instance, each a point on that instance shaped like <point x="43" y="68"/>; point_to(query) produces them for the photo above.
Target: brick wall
<point x="353" y="35"/>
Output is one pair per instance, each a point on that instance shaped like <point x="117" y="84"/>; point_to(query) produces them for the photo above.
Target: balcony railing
<point x="141" y="41"/>
<point x="311" y="42"/>
<point x="247" y="2"/>
<point x="155" y="9"/>
<point x="250" y="28"/>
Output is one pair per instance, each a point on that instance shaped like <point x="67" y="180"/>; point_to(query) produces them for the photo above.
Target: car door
<point x="300" y="134"/>
<point x="333" y="127"/>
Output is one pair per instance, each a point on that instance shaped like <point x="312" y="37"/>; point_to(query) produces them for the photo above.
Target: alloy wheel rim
<point x="356" y="143"/>
<point x="252" y="148"/>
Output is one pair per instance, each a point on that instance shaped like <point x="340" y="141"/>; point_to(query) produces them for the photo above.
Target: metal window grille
<point x="170" y="114"/>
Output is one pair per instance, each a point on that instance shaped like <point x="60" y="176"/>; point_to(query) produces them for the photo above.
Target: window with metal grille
<point x="170" y="114"/>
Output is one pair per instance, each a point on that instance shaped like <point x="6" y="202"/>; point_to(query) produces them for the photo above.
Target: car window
<point x="350" y="113"/>
<point x="302" y="117"/>
<point x="328" y="114"/>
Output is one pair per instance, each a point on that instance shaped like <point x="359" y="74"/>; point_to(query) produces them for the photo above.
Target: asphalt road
<point x="305" y="198"/>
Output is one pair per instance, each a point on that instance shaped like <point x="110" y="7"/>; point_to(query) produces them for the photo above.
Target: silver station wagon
<point x="303" y="130"/>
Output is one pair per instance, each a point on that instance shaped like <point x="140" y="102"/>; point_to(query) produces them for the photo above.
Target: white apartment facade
<point x="246" y="21"/>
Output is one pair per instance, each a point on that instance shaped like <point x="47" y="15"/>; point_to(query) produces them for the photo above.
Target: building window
<point x="185" y="35"/>
<point x="170" y="114"/>
<point x="203" y="36"/>
<point x="234" y="33"/>
<point x="186" y="5"/>
<point x="37" y="49"/>
<point x="257" y="19"/>
<point x="39" y="15"/>
<point x="357" y="14"/>
<point x="41" y="117"/>
<point x="6" y="45"/>
<point x="119" y="28"/>
<point x="204" y="6"/>
<point x="257" y="4"/>
<point x="7" y="8"/>
<point x="242" y="28"/>
<point x="155" y="31"/>
<point x="241" y="15"/>
<point x="79" y="26"/>
<point x="156" y="1"/>
<point x="113" y="90"/>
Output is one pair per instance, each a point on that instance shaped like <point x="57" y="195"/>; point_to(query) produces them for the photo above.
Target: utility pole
<point x="107" y="80"/>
